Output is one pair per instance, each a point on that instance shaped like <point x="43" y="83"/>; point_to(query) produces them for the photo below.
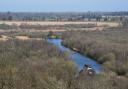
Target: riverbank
<point x="107" y="47"/>
<point x="79" y="59"/>
<point x="79" y="51"/>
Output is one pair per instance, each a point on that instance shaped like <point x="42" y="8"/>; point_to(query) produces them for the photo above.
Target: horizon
<point x="61" y="11"/>
<point x="63" y="6"/>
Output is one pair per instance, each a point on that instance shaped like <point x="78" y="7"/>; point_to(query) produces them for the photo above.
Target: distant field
<point x="110" y="24"/>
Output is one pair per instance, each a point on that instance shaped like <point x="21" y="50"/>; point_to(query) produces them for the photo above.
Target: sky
<point x="62" y="5"/>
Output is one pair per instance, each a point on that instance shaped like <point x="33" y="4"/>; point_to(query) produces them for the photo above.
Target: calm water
<point x="79" y="59"/>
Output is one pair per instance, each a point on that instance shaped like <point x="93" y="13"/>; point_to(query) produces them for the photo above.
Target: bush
<point x="7" y="27"/>
<point x="125" y="23"/>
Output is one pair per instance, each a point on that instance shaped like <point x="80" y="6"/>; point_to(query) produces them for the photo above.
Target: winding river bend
<point x="79" y="59"/>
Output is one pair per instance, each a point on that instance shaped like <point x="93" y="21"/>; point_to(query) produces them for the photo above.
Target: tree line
<point x="62" y="16"/>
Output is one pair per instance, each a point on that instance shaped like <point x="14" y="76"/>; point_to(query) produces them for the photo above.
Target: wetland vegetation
<point x="33" y="63"/>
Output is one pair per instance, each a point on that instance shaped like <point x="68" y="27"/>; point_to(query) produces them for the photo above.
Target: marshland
<point x="64" y="51"/>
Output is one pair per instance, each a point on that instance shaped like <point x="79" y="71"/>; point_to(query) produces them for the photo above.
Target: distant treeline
<point x="63" y="16"/>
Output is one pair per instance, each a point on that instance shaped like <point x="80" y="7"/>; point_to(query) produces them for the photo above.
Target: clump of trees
<point x="125" y="22"/>
<point x="7" y="27"/>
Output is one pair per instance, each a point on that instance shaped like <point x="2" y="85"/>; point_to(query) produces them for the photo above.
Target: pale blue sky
<point x="63" y="5"/>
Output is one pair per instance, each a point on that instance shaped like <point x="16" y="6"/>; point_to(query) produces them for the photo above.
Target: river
<point x="79" y="59"/>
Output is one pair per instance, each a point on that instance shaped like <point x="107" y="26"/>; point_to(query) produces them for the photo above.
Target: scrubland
<point x="27" y="63"/>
